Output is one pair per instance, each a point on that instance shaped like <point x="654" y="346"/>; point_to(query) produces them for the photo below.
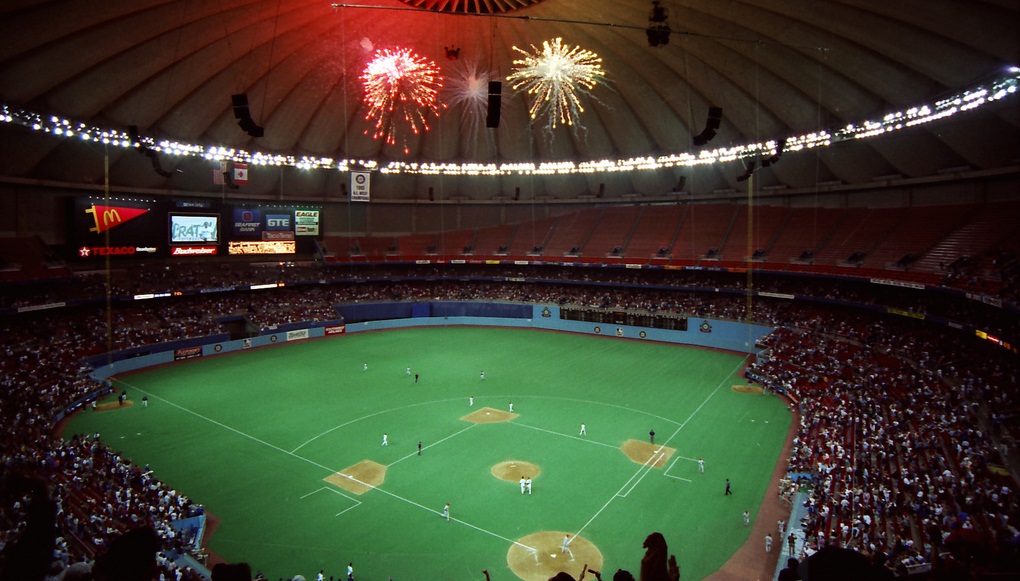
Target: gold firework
<point x="555" y="77"/>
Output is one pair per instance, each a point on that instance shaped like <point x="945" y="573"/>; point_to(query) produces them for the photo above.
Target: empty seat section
<point x="413" y="245"/>
<point x="570" y="232"/>
<point x="454" y="243"/>
<point x="858" y="233"/>
<point x="980" y="234"/>
<point x="341" y="247"/>
<point x="494" y="240"/>
<point x="655" y="228"/>
<point x="766" y="220"/>
<point x="704" y="230"/>
<point x="28" y="259"/>
<point x="922" y="227"/>
<point x="805" y="230"/>
<point x="531" y="236"/>
<point x="610" y="231"/>
<point x="376" y="247"/>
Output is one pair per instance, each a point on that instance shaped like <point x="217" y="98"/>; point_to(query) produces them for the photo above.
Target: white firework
<point x="467" y="87"/>
<point x="555" y="77"/>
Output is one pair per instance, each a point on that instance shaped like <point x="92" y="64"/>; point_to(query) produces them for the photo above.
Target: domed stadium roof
<point x="168" y="69"/>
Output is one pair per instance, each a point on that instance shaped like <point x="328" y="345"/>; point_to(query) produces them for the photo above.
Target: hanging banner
<point x="359" y="186"/>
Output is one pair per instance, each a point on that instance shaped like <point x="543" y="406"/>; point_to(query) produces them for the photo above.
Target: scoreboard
<point x="128" y="226"/>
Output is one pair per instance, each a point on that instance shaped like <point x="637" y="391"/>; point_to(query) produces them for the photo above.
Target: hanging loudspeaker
<point x="495" y="102"/>
<point x="713" y="122"/>
<point x="243" y="115"/>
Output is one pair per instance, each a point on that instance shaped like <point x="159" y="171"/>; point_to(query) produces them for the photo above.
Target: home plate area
<point x="540" y="556"/>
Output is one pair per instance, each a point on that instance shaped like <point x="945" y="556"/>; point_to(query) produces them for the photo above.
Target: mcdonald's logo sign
<point x="106" y="217"/>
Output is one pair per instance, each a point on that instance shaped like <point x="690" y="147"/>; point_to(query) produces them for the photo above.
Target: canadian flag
<point x="231" y="174"/>
<point x="241" y="174"/>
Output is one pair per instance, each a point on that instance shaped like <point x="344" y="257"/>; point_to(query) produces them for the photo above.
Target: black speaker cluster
<point x="243" y="116"/>
<point x="775" y="157"/>
<point x="495" y="100"/>
<point x="711" y="126"/>
<point x="747" y="172"/>
<point x="149" y="153"/>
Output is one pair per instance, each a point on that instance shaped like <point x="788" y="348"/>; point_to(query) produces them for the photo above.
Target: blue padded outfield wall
<point x="358" y="318"/>
<point x="361" y="312"/>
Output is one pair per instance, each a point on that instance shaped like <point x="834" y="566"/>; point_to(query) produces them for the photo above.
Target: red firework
<point x="401" y="88"/>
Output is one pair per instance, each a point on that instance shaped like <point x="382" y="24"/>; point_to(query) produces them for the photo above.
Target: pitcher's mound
<point x="360" y="478"/>
<point x="488" y="416"/>
<point x="642" y="453"/>
<point x="540" y="556"/>
<point x="747" y="389"/>
<point x="512" y="470"/>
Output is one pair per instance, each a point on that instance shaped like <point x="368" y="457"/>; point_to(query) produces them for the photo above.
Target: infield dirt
<point x="540" y="556"/>
<point x="360" y="478"/>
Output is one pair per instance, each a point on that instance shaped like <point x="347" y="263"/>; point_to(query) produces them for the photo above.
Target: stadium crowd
<point x="904" y="424"/>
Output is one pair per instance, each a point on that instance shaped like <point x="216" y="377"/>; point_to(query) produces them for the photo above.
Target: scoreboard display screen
<point x="128" y="226"/>
<point x="194" y="229"/>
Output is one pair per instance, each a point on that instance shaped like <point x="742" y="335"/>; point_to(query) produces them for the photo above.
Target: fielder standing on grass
<point x="446" y="512"/>
<point x="583" y="431"/>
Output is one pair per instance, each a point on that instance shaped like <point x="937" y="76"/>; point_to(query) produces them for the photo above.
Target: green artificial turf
<point x="252" y="435"/>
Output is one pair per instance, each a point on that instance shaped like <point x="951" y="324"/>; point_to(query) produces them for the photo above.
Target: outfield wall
<point x="713" y="333"/>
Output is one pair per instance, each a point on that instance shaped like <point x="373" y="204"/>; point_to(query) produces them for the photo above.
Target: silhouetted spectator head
<point x="131" y="557"/>
<point x="653" y="564"/>
<point x="622" y="575"/>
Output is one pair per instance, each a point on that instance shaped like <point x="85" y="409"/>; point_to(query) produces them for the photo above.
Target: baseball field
<point x="285" y="446"/>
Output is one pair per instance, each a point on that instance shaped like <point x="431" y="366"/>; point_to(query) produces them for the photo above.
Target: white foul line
<point x="349" y="422"/>
<point x="357" y="502"/>
<point x="586" y="440"/>
<point x="412" y="454"/>
<point x="330" y="470"/>
<point x="645" y="467"/>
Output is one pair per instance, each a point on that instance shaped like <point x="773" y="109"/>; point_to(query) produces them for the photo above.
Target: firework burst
<point x="555" y="77"/>
<point x="467" y="87"/>
<point x="401" y="90"/>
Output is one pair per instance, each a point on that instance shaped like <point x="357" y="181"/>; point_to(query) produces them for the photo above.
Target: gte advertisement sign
<point x="271" y="223"/>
